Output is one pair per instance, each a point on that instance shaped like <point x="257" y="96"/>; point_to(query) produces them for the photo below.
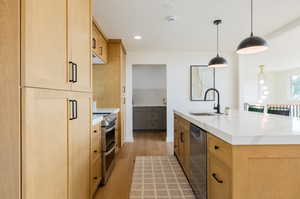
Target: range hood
<point x="97" y="60"/>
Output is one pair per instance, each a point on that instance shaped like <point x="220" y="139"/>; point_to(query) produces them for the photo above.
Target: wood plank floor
<point x="145" y="144"/>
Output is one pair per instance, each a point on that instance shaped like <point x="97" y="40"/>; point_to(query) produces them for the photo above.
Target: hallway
<point x="145" y="144"/>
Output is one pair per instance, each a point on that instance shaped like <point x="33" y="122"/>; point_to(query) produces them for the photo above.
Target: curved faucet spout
<point x="218" y="93"/>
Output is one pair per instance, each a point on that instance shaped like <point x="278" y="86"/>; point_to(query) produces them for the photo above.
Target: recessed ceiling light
<point x="137" y="37"/>
<point x="171" y="18"/>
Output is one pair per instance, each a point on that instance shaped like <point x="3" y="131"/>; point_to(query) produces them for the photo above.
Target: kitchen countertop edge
<point x="290" y="139"/>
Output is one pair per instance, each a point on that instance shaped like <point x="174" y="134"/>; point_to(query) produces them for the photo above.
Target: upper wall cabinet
<point x="99" y="46"/>
<point x="79" y="23"/>
<point x="44" y="44"/>
<point x="56" y="44"/>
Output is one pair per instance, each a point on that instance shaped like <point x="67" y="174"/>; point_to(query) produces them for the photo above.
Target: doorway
<point x="149" y="100"/>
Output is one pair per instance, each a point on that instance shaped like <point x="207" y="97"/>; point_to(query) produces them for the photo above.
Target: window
<point x="295" y="86"/>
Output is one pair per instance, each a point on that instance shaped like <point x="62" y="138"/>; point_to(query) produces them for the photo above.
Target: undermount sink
<point x="203" y="114"/>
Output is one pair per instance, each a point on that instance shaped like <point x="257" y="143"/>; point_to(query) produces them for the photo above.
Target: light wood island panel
<point x="253" y="171"/>
<point x="244" y="171"/>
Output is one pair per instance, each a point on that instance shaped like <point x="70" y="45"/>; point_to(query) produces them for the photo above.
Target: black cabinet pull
<point x="95" y="151"/>
<point x="72" y="110"/>
<point x="181" y="137"/>
<point x="72" y="72"/>
<point x="95" y="131"/>
<point x="216" y="178"/>
<point x="76" y="108"/>
<point x="95" y="178"/>
<point x="216" y="147"/>
<point x="76" y="73"/>
<point x="94" y="43"/>
<point x="101" y="48"/>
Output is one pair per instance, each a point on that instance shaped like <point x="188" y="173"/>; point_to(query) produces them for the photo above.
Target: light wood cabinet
<point x="95" y="175"/>
<point x="54" y="144"/>
<point x="182" y="142"/>
<point x="243" y="171"/>
<point x="79" y="147"/>
<point x="44" y="44"/>
<point x="48" y="48"/>
<point x="219" y="184"/>
<point x="109" y="84"/>
<point x="96" y="161"/>
<point x="10" y="152"/>
<point x="79" y="34"/>
<point x="176" y="136"/>
<point x="43" y="153"/>
<point x="99" y="43"/>
<point x="255" y="171"/>
<point x="44" y="144"/>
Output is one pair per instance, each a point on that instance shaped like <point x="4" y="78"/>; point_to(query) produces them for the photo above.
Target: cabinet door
<point x="123" y="94"/>
<point x="140" y="118"/>
<point x="181" y="145"/>
<point x="186" y="164"/>
<point x="44" y="144"/>
<point x="44" y="44"/>
<point x="79" y="147"/>
<point x="79" y="32"/>
<point x="102" y="48"/>
<point x="176" y="136"/>
<point x="218" y="179"/>
<point x="95" y="39"/>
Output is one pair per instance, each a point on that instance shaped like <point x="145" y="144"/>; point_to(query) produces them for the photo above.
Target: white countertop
<point x="248" y="128"/>
<point x="98" y="118"/>
<point x="106" y="110"/>
<point x="149" y="105"/>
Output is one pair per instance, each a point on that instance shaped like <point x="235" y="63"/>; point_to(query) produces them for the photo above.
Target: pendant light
<point x="217" y="61"/>
<point x="252" y="44"/>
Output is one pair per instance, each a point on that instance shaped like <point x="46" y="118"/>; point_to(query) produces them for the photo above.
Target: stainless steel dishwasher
<point x="198" y="161"/>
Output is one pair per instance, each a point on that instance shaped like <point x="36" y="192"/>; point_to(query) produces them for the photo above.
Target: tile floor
<point x="159" y="177"/>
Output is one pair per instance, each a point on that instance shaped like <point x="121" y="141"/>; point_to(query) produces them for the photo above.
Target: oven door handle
<point x="110" y="151"/>
<point x="108" y="130"/>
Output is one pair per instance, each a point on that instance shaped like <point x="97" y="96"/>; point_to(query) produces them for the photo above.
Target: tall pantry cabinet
<point x="45" y="92"/>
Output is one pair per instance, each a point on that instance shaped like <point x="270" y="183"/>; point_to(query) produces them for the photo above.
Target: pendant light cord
<point x="251" y="17"/>
<point x="217" y="39"/>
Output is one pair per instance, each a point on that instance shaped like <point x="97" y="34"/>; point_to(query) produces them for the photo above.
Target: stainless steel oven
<point x="108" y="143"/>
<point x="108" y="149"/>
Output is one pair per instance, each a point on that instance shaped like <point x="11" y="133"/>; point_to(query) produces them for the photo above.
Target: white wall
<point x="281" y="86"/>
<point x="149" y="85"/>
<point x="282" y="55"/>
<point x="178" y="66"/>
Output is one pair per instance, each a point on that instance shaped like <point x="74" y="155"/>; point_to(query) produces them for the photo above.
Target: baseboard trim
<point x="170" y="139"/>
<point x="129" y="139"/>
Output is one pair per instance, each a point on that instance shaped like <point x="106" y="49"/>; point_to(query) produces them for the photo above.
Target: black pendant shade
<point x="252" y="44"/>
<point x="217" y="62"/>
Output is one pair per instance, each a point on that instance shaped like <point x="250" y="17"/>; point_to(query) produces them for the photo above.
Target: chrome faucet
<point x="218" y="93"/>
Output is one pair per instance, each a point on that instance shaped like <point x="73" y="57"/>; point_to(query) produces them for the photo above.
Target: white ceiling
<point x="282" y="55"/>
<point x="193" y="29"/>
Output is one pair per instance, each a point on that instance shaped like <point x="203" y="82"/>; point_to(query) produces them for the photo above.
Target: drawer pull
<point x="94" y="43"/>
<point x="216" y="147"/>
<point x="95" y="131"/>
<point x="181" y="137"/>
<point x="95" y="151"/>
<point x="95" y="178"/>
<point x="216" y="178"/>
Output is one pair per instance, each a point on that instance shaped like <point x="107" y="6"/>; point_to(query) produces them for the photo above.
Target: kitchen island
<point x="249" y="155"/>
